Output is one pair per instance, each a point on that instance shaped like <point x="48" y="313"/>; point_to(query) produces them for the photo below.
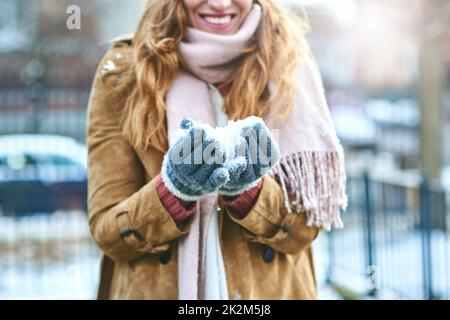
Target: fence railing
<point x="52" y="111"/>
<point x="396" y="241"/>
<point x="47" y="256"/>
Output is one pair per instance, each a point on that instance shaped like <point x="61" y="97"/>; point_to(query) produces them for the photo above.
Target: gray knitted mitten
<point x="194" y="165"/>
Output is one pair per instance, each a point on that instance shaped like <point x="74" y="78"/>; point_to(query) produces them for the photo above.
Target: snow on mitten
<point x="194" y="165"/>
<point x="255" y="153"/>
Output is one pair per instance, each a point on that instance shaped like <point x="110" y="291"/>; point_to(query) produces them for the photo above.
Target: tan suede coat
<point x="267" y="255"/>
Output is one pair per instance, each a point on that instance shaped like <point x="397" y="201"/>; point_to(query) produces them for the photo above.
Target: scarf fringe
<point x="314" y="182"/>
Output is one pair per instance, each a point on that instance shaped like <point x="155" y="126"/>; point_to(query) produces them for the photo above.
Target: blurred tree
<point x="434" y="34"/>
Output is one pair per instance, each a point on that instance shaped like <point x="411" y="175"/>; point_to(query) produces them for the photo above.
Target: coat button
<point x="164" y="257"/>
<point x="286" y="228"/>
<point x="268" y="254"/>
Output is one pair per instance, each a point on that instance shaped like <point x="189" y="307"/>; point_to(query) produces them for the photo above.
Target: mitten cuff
<point x="237" y="192"/>
<point x="170" y="180"/>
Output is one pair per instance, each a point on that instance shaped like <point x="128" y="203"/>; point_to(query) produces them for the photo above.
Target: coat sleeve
<point x="126" y="216"/>
<point x="269" y="222"/>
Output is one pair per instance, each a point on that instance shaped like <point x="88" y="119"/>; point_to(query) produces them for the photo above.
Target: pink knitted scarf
<point x="311" y="170"/>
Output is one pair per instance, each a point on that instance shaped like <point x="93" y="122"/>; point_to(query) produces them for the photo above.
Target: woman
<point x="242" y="230"/>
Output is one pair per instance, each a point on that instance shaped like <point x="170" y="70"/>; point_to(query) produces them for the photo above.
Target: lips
<point x="221" y="21"/>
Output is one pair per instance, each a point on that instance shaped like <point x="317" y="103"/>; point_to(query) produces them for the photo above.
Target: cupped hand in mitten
<point x="194" y="165"/>
<point x="255" y="154"/>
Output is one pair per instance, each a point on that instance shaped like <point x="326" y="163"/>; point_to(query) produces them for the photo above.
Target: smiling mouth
<point x="218" y="20"/>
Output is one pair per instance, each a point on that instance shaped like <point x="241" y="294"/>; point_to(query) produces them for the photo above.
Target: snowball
<point x="228" y="136"/>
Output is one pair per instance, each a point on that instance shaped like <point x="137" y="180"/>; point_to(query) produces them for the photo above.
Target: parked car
<point x="42" y="174"/>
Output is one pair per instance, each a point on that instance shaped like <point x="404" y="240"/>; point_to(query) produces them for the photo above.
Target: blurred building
<point x="35" y="34"/>
<point x="46" y="69"/>
<point x="387" y="63"/>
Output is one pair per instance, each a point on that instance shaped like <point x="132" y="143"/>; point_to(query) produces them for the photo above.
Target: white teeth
<point x="224" y="20"/>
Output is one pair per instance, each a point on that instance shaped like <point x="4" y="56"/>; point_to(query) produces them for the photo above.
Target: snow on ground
<point x="324" y="292"/>
<point x="47" y="257"/>
<point x="44" y="228"/>
<point x="75" y="280"/>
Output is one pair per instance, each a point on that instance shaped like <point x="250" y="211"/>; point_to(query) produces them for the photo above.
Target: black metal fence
<point x="41" y="110"/>
<point x="396" y="241"/>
